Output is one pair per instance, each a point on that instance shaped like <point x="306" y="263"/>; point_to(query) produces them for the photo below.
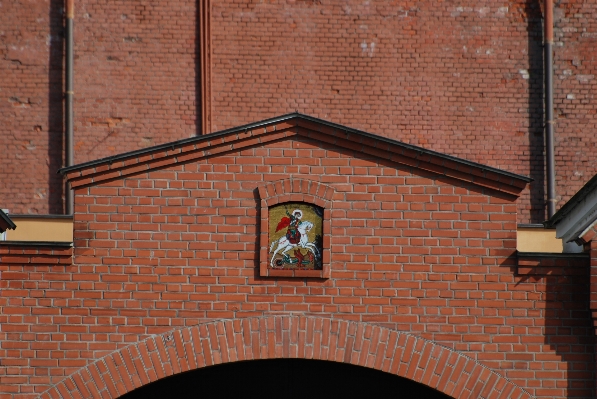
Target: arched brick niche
<point x="295" y="190"/>
<point x="275" y="337"/>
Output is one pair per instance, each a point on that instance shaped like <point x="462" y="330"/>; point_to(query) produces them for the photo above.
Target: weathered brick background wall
<point x="140" y="88"/>
<point x="457" y="78"/>
<point x="575" y="83"/>
<point x="31" y="47"/>
<point x="465" y="79"/>
<point x="410" y="251"/>
<point x="134" y="88"/>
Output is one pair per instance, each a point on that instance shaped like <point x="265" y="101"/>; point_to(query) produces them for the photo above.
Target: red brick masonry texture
<point x="50" y="331"/>
<point x="464" y="79"/>
<point x="272" y="337"/>
<point x="168" y="243"/>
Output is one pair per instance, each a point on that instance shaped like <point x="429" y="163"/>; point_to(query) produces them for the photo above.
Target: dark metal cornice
<point x="285" y="118"/>
<point x="572" y="202"/>
<point x="5" y="222"/>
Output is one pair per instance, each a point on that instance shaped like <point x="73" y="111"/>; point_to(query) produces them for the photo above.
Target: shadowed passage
<point x="284" y="378"/>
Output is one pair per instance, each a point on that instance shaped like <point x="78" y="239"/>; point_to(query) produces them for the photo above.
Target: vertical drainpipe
<point x="205" y="63"/>
<point x="68" y="99"/>
<point x="549" y="120"/>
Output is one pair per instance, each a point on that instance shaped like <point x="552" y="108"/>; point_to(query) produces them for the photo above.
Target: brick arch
<point x="295" y="189"/>
<point x="272" y="337"/>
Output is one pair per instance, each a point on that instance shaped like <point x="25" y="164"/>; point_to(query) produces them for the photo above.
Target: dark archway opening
<point x="284" y="378"/>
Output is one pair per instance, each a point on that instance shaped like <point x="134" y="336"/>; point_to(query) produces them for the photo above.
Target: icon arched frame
<point x="295" y="191"/>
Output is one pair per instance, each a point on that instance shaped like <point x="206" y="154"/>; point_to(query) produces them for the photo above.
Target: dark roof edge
<point x="44" y="216"/>
<point x="420" y="149"/>
<point x="530" y="226"/>
<point x="66" y="244"/>
<point x="285" y="118"/>
<point x="7" y="220"/>
<point x="553" y="254"/>
<point x="572" y="202"/>
<point x="173" y="144"/>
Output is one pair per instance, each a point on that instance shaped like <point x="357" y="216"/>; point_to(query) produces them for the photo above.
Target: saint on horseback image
<point x="292" y="222"/>
<point x="295" y="236"/>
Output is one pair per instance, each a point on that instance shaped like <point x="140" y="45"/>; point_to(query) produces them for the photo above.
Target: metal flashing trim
<point x="63" y="244"/>
<point x="288" y="117"/>
<point x="585" y="231"/>
<point x="5" y="220"/>
<point x="31" y="216"/>
<point x="174" y="144"/>
<point x="530" y="226"/>
<point x="582" y="224"/>
<point x="572" y="202"/>
<point x="577" y="215"/>
<point x="553" y="255"/>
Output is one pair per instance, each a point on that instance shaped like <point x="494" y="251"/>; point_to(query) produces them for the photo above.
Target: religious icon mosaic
<point x="296" y="236"/>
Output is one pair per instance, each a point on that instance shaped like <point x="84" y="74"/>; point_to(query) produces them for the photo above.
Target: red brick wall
<point x="575" y="79"/>
<point x="291" y="336"/>
<point x="134" y="87"/>
<point x="31" y="106"/>
<point x="140" y="88"/>
<point x="465" y="79"/>
<point x="36" y="330"/>
<point x="410" y="251"/>
<point x="442" y="76"/>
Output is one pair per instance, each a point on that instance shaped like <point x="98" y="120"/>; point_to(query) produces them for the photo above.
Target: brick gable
<point x="285" y="127"/>
<point x="168" y="241"/>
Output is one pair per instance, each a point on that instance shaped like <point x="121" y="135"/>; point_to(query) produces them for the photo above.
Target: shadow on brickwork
<point x="558" y="288"/>
<point x="56" y="108"/>
<point x="535" y="111"/>
<point x="569" y="329"/>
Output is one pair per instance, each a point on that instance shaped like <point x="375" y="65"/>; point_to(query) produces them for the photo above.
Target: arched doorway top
<point x="272" y="337"/>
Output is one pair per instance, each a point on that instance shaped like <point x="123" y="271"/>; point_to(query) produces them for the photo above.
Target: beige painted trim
<point x="42" y="229"/>
<point x="533" y="239"/>
<point x="529" y="239"/>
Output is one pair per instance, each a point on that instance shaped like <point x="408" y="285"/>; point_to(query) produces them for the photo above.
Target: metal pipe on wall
<point x="205" y="64"/>
<point x="549" y="118"/>
<point x="68" y="99"/>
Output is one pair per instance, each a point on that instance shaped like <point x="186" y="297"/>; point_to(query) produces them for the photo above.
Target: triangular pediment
<point x="288" y="126"/>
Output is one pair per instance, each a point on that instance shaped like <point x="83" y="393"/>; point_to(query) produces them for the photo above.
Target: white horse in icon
<point x="284" y="245"/>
